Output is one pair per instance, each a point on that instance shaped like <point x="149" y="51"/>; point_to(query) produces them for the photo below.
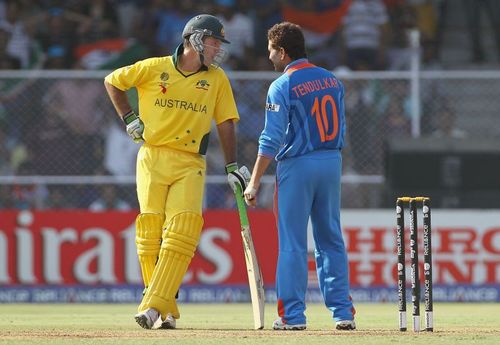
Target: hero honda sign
<point x="466" y="247"/>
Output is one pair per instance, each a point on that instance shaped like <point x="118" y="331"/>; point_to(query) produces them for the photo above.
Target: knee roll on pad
<point x="183" y="233"/>
<point x="148" y="236"/>
<point x="148" y="231"/>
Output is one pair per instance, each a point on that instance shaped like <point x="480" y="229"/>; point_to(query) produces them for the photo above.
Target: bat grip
<point x="242" y="210"/>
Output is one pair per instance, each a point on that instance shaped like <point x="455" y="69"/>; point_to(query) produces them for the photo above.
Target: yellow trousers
<point x="170" y="186"/>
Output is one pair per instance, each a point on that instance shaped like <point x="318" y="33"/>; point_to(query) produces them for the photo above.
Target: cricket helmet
<point x="206" y="24"/>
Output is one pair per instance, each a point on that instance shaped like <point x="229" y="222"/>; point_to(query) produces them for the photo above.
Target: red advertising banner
<point x="42" y="253"/>
<point x="81" y="247"/>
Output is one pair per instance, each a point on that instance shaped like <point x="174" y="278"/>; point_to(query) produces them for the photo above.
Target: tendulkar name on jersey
<point x="307" y="87"/>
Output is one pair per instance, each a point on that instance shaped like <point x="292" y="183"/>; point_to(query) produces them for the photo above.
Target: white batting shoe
<point x="346" y="325"/>
<point x="168" y="323"/>
<point x="279" y="325"/>
<point x="147" y="319"/>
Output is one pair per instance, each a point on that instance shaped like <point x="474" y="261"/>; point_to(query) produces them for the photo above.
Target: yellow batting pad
<point x="177" y="249"/>
<point x="148" y="240"/>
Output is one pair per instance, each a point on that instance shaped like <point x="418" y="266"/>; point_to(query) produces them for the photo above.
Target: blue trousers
<point x="309" y="186"/>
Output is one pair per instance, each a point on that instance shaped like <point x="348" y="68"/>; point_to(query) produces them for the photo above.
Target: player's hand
<point x="237" y="177"/>
<point x="135" y="126"/>
<point x="251" y="195"/>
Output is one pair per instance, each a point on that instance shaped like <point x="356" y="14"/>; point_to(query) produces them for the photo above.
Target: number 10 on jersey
<point x="327" y="118"/>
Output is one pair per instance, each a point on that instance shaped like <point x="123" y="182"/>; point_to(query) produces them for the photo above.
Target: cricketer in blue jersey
<point x="304" y="131"/>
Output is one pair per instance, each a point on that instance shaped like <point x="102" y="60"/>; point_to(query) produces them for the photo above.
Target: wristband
<point x="129" y="117"/>
<point x="230" y="167"/>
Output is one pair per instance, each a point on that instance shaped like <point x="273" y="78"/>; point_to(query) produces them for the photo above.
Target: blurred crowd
<point x="103" y="34"/>
<point x="68" y="126"/>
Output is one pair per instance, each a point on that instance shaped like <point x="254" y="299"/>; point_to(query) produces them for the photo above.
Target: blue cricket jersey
<point x="304" y="112"/>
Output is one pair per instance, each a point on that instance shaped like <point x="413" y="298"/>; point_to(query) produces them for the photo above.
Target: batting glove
<point x="135" y="126"/>
<point x="237" y="177"/>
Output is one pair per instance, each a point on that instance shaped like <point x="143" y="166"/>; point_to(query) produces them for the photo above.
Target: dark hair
<point x="288" y="36"/>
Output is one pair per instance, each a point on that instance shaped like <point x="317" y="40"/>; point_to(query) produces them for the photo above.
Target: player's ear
<point x="282" y="53"/>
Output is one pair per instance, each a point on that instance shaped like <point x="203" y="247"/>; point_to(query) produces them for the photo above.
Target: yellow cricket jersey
<point x="177" y="109"/>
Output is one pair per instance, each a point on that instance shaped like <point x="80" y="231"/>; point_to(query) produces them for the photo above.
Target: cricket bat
<point x="253" y="269"/>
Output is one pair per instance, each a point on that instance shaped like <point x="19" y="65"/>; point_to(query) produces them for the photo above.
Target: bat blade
<point x="255" y="281"/>
<point x="254" y="278"/>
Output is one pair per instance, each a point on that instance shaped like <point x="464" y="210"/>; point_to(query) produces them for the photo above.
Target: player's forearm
<point x="227" y="136"/>
<point x="260" y="167"/>
<point x="118" y="98"/>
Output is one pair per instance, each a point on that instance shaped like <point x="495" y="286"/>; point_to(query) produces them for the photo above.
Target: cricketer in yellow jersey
<point x="179" y="96"/>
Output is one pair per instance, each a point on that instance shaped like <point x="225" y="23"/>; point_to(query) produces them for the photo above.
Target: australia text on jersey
<point x="180" y="104"/>
<point x="304" y="88"/>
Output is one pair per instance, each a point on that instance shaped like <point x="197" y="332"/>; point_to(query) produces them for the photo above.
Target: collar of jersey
<point x="295" y="63"/>
<point x="178" y="51"/>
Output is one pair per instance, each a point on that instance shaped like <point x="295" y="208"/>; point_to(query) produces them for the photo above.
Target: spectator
<point x="56" y="57"/>
<point x="13" y="93"/>
<point x="441" y="8"/>
<point x="446" y="124"/>
<point x="7" y="60"/>
<point x="252" y="115"/>
<point x="101" y="20"/>
<point x="426" y="18"/>
<point x="129" y="16"/>
<point x="51" y="145"/>
<point x="362" y="104"/>
<point x="473" y="13"/>
<point x="20" y="44"/>
<point x="5" y="159"/>
<point x="6" y="201"/>
<point x="364" y="35"/>
<point x="57" y="198"/>
<point x="79" y="104"/>
<point x="267" y="13"/>
<point x="119" y="151"/>
<point x="397" y="123"/>
<point x="239" y="31"/>
<point x="403" y="19"/>
<point x="109" y="200"/>
<point x="320" y="21"/>
<point x="171" y="22"/>
<point x="28" y="196"/>
<point x="427" y="13"/>
<point x="57" y="36"/>
<point x="149" y="21"/>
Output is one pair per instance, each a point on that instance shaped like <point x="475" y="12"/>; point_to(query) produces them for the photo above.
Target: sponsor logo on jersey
<point x="163" y="84"/>
<point x="272" y="107"/>
<point x="163" y="87"/>
<point x="202" y="84"/>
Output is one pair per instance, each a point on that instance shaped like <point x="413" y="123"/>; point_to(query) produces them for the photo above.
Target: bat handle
<point x="242" y="210"/>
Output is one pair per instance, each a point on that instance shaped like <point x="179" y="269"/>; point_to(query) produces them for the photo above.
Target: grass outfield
<point x="232" y="324"/>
